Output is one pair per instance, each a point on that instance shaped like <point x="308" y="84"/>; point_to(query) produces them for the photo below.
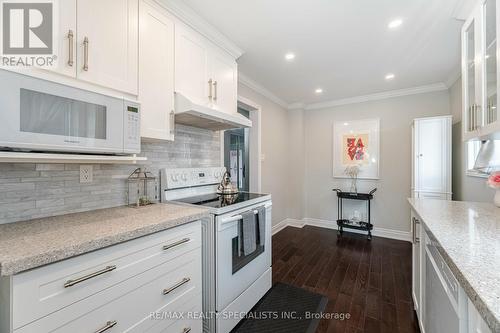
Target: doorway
<point x="237" y="154"/>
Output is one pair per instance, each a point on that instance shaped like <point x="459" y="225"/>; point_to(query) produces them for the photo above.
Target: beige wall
<point x="465" y="188"/>
<point x="390" y="207"/>
<point x="297" y="145"/>
<point x="274" y="131"/>
<point x="296" y="164"/>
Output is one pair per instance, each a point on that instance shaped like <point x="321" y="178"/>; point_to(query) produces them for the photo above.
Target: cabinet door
<point x="66" y="52"/>
<point x="471" y="73"/>
<point x="489" y="57"/>
<point x="156" y="73"/>
<point x="191" y="66"/>
<point x="108" y="43"/>
<point x="224" y="71"/>
<point x="433" y="155"/>
<point x="416" y="280"/>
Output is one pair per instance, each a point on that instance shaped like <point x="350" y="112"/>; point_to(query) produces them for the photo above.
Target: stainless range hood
<point x="488" y="158"/>
<point x="191" y="114"/>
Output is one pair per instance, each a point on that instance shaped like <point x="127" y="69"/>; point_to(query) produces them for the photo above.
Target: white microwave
<point x="38" y="115"/>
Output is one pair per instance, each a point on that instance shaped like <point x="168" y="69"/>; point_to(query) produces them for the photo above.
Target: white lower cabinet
<point x="417" y="279"/>
<point x="476" y="323"/>
<point x="144" y="285"/>
<point x="439" y="300"/>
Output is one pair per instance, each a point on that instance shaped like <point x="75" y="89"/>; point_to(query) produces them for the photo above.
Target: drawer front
<point x="163" y="289"/>
<point x="45" y="290"/>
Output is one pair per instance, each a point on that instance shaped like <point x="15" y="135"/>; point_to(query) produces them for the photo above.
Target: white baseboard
<point x="379" y="232"/>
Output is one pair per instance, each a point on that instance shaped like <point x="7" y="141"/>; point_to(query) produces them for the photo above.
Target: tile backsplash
<point x="29" y="191"/>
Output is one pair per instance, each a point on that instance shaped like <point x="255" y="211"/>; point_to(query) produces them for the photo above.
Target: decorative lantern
<point x="142" y="188"/>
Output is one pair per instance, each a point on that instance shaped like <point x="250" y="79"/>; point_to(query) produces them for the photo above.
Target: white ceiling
<point x="342" y="46"/>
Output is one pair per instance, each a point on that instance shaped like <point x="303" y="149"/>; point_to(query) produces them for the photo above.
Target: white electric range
<point x="232" y="282"/>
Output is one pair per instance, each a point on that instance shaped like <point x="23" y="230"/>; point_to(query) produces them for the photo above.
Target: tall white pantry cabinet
<point x="431" y="158"/>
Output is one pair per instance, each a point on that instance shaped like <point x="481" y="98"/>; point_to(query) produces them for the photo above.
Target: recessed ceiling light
<point x="390" y="76"/>
<point x="318" y="91"/>
<point x="290" y="56"/>
<point x="395" y="23"/>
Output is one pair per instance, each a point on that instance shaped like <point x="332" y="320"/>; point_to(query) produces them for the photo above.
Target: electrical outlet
<point x="86" y="174"/>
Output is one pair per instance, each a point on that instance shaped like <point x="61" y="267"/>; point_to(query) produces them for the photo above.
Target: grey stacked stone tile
<point x="29" y="191"/>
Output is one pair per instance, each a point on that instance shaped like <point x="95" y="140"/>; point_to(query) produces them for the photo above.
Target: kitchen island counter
<point x="468" y="237"/>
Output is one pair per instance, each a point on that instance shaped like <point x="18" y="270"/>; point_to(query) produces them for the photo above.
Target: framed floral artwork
<point x="356" y="143"/>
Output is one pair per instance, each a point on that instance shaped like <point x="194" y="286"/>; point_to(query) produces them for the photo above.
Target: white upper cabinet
<point x="156" y="72"/>
<point x="191" y="66"/>
<point x="67" y="39"/>
<point x="480" y="72"/>
<point x="224" y="76"/>
<point x="204" y="73"/>
<point x="108" y="43"/>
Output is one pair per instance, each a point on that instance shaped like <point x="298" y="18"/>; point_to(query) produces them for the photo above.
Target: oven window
<point x="49" y="114"/>
<point x="240" y="260"/>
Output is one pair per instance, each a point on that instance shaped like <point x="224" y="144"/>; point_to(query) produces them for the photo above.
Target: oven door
<point x="235" y="271"/>
<point x="46" y="116"/>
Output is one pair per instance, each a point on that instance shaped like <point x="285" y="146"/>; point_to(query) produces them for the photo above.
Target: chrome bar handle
<point x="186" y="330"/>
<point x="70" y="49"/>
<point x="86" y="54"/>
<point x="479" y="118"/>
<point x="210" y="85"/>
<point x="71" y="283"/>
<point x="469" y="118"/>
<point x="169" y="246"/>
<point x="176" y="286"/>
<point x="172" y="122"/>
<point x="108" y="326"/>
<point x="415" y="238"/>
<point x="473" y="117"/>
<point x="215" y="88"/>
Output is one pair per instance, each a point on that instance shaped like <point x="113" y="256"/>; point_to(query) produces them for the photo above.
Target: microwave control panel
<point x="132" y="128"/>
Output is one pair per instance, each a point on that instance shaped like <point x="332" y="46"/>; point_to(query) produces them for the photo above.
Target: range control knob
<point x="184" y="176"/>
<point x="173" y="177"/>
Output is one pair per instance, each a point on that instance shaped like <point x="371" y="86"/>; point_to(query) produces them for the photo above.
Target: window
<point x="473" y="148"/>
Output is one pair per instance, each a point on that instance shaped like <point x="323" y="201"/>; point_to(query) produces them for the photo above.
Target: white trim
<point x="255" y="140"/>
<point x="245" y="80"/>
<point x="187" y="15"/>
<point x="297" y="106"/>
<point x="453" y="77"/>
<point x="280" y="226"/>
<point x="248" y="104"/>
<point x="379" y="96"/>
<point x="378" y="232"/>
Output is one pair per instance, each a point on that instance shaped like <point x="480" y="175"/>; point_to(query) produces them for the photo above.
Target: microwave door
<point x="47" y="116"/>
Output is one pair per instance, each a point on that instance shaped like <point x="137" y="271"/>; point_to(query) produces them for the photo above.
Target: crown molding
<point x="297" y="106"/>
<point x="245" y="80"/>
<point x="379" y="96"/>
<point x="454" y="76"/>
<point x="187" y="15"/>
<point x="463" y="9"/>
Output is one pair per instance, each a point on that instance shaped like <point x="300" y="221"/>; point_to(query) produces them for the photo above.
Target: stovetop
<point x="214" y="200"/>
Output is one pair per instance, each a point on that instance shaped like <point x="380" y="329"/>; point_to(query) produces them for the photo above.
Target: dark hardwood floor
<point x="369" y="280"/>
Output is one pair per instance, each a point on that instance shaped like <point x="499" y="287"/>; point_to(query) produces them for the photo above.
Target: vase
<point x="496" y="200"/>
<point x="354" y="185"/>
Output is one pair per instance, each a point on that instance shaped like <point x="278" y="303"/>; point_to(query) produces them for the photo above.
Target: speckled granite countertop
<point x="30" y="244"/>
<point x="469" y="241"/>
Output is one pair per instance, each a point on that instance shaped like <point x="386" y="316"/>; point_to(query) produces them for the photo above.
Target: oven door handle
<point x="235" y="218"/>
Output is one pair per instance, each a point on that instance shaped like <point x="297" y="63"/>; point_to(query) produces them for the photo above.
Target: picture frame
<point x="357" y="142"/>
